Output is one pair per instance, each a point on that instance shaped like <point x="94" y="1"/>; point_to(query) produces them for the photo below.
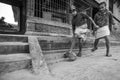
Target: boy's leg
<point x="80" y="47"/>
<point x="73" y="43"/>
<point x="107" y="46"/>
<point x="95" y="44"/>
<point x="71" y="48"/>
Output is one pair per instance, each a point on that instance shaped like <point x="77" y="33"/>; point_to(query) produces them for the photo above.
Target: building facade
<point x="50" y="19"/>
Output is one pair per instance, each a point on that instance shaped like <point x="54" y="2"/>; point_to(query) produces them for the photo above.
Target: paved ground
<point x="93" y="66"/>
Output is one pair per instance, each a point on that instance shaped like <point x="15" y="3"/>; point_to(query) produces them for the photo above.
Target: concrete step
<point x="14" y="62"/>
<point x="13" y="47"/>
<point x="54" y="56"/>
<point x="13" y="38"/>
<point x="15" y="57"/>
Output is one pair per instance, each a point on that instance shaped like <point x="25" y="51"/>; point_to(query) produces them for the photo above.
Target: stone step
<point x="15" y="57"/>
<point x="13" y="47"/>
<point x="13" y="62"/>
<point x="13" y="38"/>
<point x="55" y="56"/>
<point x="48" y="46"/>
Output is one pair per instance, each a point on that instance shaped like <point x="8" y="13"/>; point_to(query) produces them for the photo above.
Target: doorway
<point x="12" y="16"/>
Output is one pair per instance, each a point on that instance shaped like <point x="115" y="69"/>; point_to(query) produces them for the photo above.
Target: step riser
<point x="58" y="56"/>
<point x="60" y="46"/>
<point x="13" y="39"/>
<point x="17" y="48"/>
<point x="12" y="62"/>
<point x="6" y="67"/>
<point x="11" y="49"/>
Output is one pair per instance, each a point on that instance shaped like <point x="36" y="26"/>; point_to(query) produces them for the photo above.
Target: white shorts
<point x="81" y="31"/>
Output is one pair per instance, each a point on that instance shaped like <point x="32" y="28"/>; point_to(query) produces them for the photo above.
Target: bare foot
<point x="94" y="49"/>
<point x="108" y="55"/>
<point x="79" y="54"/>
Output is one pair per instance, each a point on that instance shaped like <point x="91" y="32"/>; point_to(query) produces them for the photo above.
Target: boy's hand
<point x="97" y="26"/>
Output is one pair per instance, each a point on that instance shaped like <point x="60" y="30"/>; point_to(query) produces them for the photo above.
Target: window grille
<point x="56" y="10"/>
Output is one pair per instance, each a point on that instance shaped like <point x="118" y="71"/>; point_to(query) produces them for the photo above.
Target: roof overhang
<point x="92" y="3"/>
<point x="81" y="5"/>
<point x="12" y="2"/>
<point x="85" y="4"/>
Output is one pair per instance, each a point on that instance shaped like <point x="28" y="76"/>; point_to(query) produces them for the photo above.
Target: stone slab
<point x="38" y="61"/>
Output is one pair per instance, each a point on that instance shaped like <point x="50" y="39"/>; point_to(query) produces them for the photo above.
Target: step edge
<point x="8" y="58"/>
<point x="14" y="43"/>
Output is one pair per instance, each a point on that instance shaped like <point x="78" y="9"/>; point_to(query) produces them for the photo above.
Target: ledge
<point x="47" y="34"/>
<point x="48" y="22"/>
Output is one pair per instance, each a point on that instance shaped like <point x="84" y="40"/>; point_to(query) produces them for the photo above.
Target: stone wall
<point x="41" y="26"/>
<point x="30" y="7"/>
<point x="116" y="12"/>
<point x="51" y="29"/>
<point x="44" y="25"/>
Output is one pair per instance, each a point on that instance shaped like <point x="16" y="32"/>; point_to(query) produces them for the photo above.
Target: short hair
<point x="72" y="10"/>
<point x="103" y="3"/>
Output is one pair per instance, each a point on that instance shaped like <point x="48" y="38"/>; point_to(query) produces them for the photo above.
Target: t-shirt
<point x="102" y="18"/>
<point x="79" y="20"/>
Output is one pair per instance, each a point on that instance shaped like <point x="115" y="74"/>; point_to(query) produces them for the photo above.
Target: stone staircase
<point x="14" y="53"/>
<point x="21" y="52"/>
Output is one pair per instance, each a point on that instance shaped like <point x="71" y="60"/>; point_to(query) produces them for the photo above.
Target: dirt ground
<point x="93" y="66"/>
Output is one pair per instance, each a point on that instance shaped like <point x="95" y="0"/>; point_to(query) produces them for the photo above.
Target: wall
<point x="116" y="12"/>
<point x="45" y="26"/>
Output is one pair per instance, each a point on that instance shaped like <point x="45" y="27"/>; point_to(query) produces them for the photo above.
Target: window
<point x="55" y="10"/>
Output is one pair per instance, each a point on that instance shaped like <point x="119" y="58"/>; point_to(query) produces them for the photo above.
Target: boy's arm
<point x="73" y="28"/>
<point x="88" y="17"/>
<point x="93" y="22"/>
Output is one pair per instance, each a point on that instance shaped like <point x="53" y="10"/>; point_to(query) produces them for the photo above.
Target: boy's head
<point x="74" y="12"/>
<point x="102" y="6"/>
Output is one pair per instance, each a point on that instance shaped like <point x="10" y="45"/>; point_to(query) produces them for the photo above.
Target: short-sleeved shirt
<point x="79" y="20"/>
<point x="102" y="18"/>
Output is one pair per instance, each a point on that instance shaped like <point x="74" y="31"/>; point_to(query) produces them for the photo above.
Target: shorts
<point x="81" y="31"/>
<point x="103" y="31"/>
